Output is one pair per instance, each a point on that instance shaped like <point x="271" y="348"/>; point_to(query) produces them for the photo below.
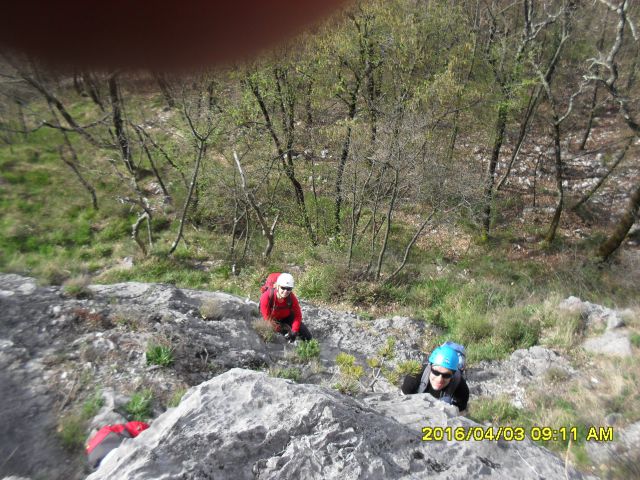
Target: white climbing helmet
<point x="285" y="280"/>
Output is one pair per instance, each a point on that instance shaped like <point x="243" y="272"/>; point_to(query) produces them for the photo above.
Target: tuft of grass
<point x="139" y="407"/>
<point x="635" y="339"/>
<point x="556" y="375"/>
<point x="498" y="410"/>
<point x="176" y="398"/>
<point x="92" y="405"/>
<point x="289" y="373"/>
<point x="159" y="355"/>
<point x="77" y="287"/>
<point x="212" y="309"/>
<point x="72" y="432"/>
<point x="264" y="329"/>
<point x="307" y="350"/>
<point x="318" y="282"/>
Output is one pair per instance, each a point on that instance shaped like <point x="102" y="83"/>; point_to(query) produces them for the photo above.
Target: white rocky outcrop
<point x="247" y="425"/>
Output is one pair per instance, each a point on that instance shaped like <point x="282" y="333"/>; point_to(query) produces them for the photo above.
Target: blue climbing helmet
<point x="445" y="356"/>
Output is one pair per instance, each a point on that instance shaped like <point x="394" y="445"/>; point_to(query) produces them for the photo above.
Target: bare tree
<point x="285" y="100"/>
<point x="606" y="72"/>
<point x="201" y="126"/>
<point x="267" y="232"/>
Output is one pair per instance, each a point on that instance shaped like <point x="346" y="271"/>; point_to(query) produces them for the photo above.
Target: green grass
<point x="291" y="373"/>
<point x="92" y="405"/>
<point x="159" y="355"/>
<point x="139" y="407"/>
<point x="72" y="432"/>
<point x="307" y="350"/>
<point x="176" y="398"/>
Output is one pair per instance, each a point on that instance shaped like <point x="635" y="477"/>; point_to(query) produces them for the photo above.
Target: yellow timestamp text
<point x="517" y="434"/>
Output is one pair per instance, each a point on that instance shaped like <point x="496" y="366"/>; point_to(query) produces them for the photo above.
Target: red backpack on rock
<point x="270" y="284"/>
<point x="110" y="437"/>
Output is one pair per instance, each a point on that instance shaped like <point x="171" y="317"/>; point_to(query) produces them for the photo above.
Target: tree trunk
<point x="501" y="123"/>
<point x="201" y="150"/>
<point x="524" y="127"/>
<point x="385" y="242"/>
<point x="619" y="157"/>
<point x="555" y="221"/>
<point x="592" y="114"/>
<point x="624" y="225"/>
<point x="343" y="161"/>
<point x="165" y="89"/>
<point x="118" y="124"/>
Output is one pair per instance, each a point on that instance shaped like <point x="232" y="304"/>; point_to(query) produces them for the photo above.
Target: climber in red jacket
<point x="280" y="307"/>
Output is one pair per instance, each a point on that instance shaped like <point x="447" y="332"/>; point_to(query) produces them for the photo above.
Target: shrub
<point x="516" y="333"/>
<point x="349" y="375"/>
<point x="410" y="367"/>
<point x="159" y="355"/>
<point x="139" y="407"/>
<point x="318" y="282"/>
<point x="264" y="329"/>
<point x="473" y="329"/>
<point x="306" y="350"/>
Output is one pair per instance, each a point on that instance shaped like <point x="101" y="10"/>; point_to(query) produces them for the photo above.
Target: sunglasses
<point x="288" y="289"/>
<point x="436" y="373"/>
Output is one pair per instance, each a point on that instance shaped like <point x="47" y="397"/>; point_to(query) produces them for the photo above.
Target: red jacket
<point x="280" y="311"/>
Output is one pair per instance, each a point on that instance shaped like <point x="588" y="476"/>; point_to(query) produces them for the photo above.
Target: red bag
<point x="110" y="437"/>
<point x="270" y="282"/>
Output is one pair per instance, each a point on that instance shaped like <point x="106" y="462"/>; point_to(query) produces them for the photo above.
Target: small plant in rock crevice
<point x="176" y="398"/>
<point x="288" y="373"/>
<point x="212" y="309"/>
<point x="160" y="355"/>
<point x="307" y="350"/>
<point x="264" y="329"/>
<point x="139" y="407"/>
<point x="349" y="374"/>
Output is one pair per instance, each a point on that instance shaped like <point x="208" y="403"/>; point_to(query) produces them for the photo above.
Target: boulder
<point x="247" y="425"/>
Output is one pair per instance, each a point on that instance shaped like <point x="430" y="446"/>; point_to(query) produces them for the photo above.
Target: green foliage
<point x="71" y="432"/>
<point x="635" y="339"/>
<point x="498" y="410"/>
<point x="349" y="375"/>
<point x="307" y="349"/>
<point x="318" y="282"/>
<point x="139" y="407"/>
<point x="159" y="355"/>
<point x="409" y="367"/>
<point x="387" y="351"/>
<point x="92" y="405"/>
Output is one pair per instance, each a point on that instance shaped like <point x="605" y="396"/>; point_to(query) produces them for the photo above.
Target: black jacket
<point x="453" y="394"/>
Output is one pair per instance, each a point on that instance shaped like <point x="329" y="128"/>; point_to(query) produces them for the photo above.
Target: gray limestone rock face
<point x="595" y="316"/>
<point x="246" y="425"/>
<point x="614" y="343"/>
<point x="511" y="377"/>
